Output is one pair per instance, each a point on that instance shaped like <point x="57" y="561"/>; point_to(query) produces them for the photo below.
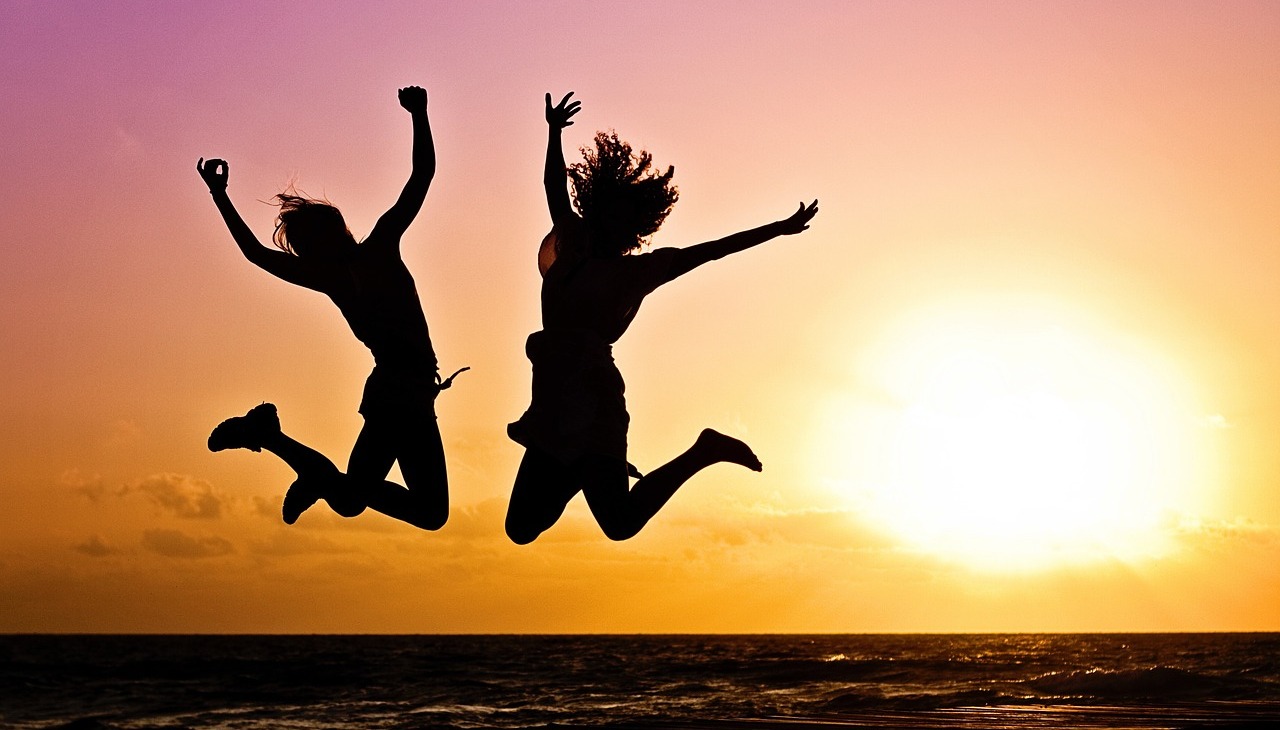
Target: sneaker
<point x="247" y="431"/>
<point x="301" y="495"/>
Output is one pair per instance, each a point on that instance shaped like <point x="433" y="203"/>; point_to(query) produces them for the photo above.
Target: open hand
<point x="799" y="220"/>
<point x="558" y="115"/>
<point x="214" y="173"/>
<point x="413" y="99"/>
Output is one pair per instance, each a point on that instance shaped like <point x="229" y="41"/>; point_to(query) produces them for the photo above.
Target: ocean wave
<point x="396" y="683"/>
<point x="1145" y="683"/>
<point x="871" y="699"/>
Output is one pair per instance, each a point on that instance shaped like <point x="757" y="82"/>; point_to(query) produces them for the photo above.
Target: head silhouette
<point x="621" y="198"/>
<point x="308" y="227"/>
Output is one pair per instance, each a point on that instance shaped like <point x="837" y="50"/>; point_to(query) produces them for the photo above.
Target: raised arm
<point x="395" y="221"/>
<point x="553" y="177"/>
<point x="689" y="258"/>
<point x="278" y="263"/>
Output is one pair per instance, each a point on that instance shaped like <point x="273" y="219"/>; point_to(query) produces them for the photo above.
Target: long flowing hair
<point x="622" y="199"/>
<point x="309" y="219"/>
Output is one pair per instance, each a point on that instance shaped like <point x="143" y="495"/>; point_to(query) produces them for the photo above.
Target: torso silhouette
<point x="376" y="293"/>
<point x="579" y="404"/>
<point x="594" y="294"/>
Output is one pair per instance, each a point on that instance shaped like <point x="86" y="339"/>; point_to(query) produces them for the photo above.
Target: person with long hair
<point x="375" y="292"/>
<point x="593" y="281"/>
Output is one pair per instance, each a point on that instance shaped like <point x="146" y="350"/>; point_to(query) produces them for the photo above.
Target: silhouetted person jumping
<point x="376" y="294"/>
<point x="575" y="430"/>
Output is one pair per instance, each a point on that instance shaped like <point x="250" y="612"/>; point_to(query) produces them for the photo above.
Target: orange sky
<point x="1080" y="198"/>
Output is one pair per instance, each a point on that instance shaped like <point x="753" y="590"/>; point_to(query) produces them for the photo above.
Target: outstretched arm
<point x="278" y="263"/>
<point x="553" y="177"/>
<point x="690" y="258"/>
<point x="396" y="221"/>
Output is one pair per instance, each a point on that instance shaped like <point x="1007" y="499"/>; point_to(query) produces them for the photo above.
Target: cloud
<point x="122" y="434"/>
<point x="1223" y="531"/>
<point x="94" y="547"/>
<point x="88" y="486"/>
<point x="287" y="543"/>
<point x="818" y="527"/>
<point x="737" y="524"/>
<point x="478" y="521"/>
<point x="263" y="507"/>
<point x="177" y="544"/>
<point x="184" y="496"/>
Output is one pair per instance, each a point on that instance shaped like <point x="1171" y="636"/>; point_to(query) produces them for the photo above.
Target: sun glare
<point x="1015" y="442"/>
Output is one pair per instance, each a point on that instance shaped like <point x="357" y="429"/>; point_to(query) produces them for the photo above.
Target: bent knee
<point x="522" y="536"/>
<point x="430" y="519"/>
<point x="345" y="505"/>
<point x="522" y="533"/>
<point x="619" y="531"/>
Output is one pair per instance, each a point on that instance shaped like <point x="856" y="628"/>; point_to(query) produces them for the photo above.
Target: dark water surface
<point x="1223" y="681"/>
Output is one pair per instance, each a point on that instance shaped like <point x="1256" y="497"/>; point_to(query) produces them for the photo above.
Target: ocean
<point x="84" y="682"/>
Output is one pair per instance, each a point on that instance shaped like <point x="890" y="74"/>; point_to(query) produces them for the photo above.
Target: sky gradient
<point x="1070" y="204"/>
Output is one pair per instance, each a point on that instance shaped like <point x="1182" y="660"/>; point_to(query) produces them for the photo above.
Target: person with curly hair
<point x="375" y="292"/>
<point x="593" y="281"/>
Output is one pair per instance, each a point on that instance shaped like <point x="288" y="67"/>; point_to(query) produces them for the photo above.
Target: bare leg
<point x="421" y="456"/>
<point x="415" y="442"/>
<point x="542" y="489"/>
<point x="622" y="512"/>
<point x="301" y="458"/>
<point x="318" y="477"/>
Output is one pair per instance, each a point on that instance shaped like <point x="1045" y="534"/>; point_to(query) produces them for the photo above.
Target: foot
<point x="246" y="432"/>
<point x="301" y="495"/>
<point x="719" y="447"/>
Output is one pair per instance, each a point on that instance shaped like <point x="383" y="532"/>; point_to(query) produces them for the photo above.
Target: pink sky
<point x="1114" y="162"/>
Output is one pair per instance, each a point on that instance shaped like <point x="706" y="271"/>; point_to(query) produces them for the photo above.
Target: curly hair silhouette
<point x="622" y="199"/>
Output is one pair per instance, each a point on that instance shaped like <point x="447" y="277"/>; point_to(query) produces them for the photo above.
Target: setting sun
<point x="1018" y="442"/>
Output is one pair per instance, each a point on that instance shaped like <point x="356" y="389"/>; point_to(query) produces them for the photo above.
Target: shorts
<point x="399" y="392"/>
<point x="579" y="405"/>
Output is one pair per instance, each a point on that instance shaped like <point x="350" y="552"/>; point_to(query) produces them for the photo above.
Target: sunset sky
<point x="1022" y="374"/>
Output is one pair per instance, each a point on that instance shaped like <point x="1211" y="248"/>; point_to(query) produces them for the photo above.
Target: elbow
<point x="418" y="184"/>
